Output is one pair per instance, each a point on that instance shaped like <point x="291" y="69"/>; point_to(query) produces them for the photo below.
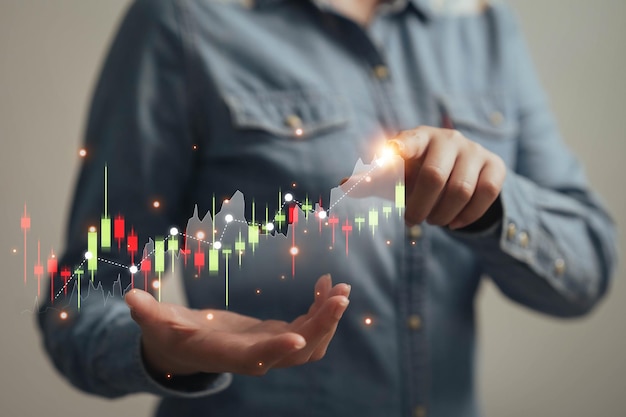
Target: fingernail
<point x="344" y="180"/>
<point x="341" y="308"/>
<point x="300" y="344"/>
<point x="396" y="146"/>
<point x="349" y="289"/>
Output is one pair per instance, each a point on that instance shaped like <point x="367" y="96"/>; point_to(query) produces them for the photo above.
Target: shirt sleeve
<point x="140" y="128"/>
<point x="555" y="249"/>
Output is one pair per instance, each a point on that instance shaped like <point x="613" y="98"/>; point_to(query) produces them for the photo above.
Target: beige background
<point x="50" y="51"/>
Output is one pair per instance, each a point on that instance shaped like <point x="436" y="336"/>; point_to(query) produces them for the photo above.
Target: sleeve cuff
<point x="128" y="373"/>
<point x="186" y="386"/>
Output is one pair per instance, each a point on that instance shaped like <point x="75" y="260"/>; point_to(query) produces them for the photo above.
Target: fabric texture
<point x="195" y="100"/>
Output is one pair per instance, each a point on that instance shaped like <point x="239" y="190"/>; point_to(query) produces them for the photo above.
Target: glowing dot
<point x="53" y="255"/>
<point x="229" y="218"/>
<point x="200" y="235"/>
<point x="260" y="364"/>
<point x="88" y="255"/>
<point x="63" y="315"/>
<point x="14" y="251"/>
<point x="133" y="269"/>
<point x="293" y="184"/>
<point x="368" y="179"/>
<point x="299" y="132"/>
<point x="306" y="231"/>
<point x="269" y="227"/>
<point x="293" y="251"/>
<point x="217" y="245"/>
<point x="214" y="231"/>
<point x="82" y="152"/>
<point x="288" y="197"/>
<point x="282" y="277"/>
<point x="389" y="242"/>
<point x="368" y="321"/>
<point x="322" y="214"/>
<point x="195" y="147"/>
<point x="413" y="243"/>
<point x="209" y="316"/>
<point x="386" y="154"/>
<point x="174" y="231"/>
<point x="317" y="293"/>
<point x="226" y="201"/>
<point x="156" y="204"/>
<point x="168" y="376"/>
<point x="156" y="284"/>
<point x="92" y="229"/>
<point x="330" y="248"/>
<point x="258" y="291"/>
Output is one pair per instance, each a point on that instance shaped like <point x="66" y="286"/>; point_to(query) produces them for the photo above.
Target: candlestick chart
<point x="218" y="245"/>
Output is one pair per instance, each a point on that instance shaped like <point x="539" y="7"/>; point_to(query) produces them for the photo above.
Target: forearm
<point x="554" y="251"/>
<point x="99" y="350"/>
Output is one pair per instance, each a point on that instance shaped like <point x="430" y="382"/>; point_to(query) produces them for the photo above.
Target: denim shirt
<point x="202" y="98"/>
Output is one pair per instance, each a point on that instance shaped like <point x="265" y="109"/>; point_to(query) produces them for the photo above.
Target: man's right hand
<point x="179" y="341"/>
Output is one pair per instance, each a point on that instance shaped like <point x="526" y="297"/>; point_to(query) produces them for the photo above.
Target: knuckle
<point x="499" y="163"/>
<point x="433" y="176"/>
<point x="455" y="135"/>
<point x="461" y="190"/>
<point x="490" y="188"/>
<point x="474" y="147"/>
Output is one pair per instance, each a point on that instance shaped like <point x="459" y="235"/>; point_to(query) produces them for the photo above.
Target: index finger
<point x="411" y="144"/>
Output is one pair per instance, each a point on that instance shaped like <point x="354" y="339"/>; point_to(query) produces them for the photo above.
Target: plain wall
<point x="50" y="53"/>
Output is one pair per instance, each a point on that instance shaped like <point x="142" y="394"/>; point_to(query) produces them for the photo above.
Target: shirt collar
<point x="424" y="7"/>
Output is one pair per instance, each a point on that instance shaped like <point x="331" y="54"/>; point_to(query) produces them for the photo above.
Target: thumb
<point x="144" y="309"/>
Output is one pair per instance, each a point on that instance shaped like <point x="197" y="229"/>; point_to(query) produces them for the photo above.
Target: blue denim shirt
<point x="197" y="98"/>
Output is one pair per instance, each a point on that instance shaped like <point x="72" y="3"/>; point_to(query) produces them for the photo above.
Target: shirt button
<point x="414" y="322"/>
<point x="415" y="232"/>
<point x="511" y="230"/>
<point x="293" y="121"/>
<point x="381" y="72"/>
<point x="524" y="239"/>
<point x="559" y="266"/>
<point x="419" y="411"/>
<point x="496" y="118"/>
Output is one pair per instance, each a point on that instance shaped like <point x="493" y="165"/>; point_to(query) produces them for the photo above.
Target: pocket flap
<point x="486" y="114"/>
<point x="294" y="114"/>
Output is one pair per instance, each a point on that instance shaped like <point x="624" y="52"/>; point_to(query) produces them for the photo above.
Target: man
<point x="202" y="98"/>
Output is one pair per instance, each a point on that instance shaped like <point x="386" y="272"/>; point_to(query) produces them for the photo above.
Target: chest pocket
<point x="287" y="114"/>
<point x="287" y="137"/>
<point x="488" y="119"/>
